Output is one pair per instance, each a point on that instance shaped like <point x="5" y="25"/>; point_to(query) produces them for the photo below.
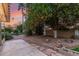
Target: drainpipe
<point x="22" y="21"/>
<point x="0" y="35"/>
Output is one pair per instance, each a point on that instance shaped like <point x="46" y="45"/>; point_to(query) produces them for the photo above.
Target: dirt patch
<point x="44" y="43"/>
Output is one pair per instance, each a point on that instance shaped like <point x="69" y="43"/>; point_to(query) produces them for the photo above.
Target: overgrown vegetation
<point x="18" y="30"/>
<point x="7" y="33"/>
<point x="56" y="15"/>
<point x="76" y="49"/>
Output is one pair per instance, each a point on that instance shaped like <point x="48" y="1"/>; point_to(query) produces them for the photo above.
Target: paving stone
<point x="49" y="50"/>
<point x="19" y="48"/>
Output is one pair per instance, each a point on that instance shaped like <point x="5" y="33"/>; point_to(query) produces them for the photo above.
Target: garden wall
<point x="61" y="34"/>
<point x="66" y="34"/>
<point x="50" y="33"/>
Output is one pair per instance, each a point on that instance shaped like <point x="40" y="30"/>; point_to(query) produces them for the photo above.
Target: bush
<point x="39" y="29"/>
<point x="76" y="49"/>
<point x="18" y="30"/>
<point x="29" y="32"/>
<point x="62" y="28"/>
<point x="9" y="30"/>
<point x="7" y="35"/>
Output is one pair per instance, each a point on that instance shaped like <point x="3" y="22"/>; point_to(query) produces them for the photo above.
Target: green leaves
<point x="41" y="12"/>
<point x="38" y="13"/>
<point x="76" y="49"/>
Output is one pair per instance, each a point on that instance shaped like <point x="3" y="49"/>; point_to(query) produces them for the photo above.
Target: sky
<point x="16" y="16"/>
<point x="14" y="10"/>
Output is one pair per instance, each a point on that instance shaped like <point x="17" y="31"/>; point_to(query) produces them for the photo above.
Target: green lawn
<point x="76" y="49"/>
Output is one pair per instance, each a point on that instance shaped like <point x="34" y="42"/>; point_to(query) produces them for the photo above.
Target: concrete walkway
<point x="19" y="48"/>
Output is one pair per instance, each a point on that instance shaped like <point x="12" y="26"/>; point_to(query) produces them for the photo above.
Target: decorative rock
<point x="35" y="45"/>
<point x="49" y="51"/>
<point x="41" y="48"/>
<point x="47" y="40"/>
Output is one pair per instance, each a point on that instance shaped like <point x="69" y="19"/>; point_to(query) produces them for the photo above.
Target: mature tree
<point x="38" y="13"/>
<point x="56" y="14"/>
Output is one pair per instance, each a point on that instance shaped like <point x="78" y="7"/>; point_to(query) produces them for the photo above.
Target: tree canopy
<point x="62" y="13"/>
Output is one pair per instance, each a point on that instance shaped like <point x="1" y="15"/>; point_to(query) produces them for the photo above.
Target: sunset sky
<point x="16" y="16"/>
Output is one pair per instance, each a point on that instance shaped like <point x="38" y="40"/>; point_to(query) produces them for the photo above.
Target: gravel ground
<point x="47" y="44"/>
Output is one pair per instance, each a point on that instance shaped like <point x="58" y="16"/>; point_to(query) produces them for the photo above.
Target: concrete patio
<point x="19" y="48"/>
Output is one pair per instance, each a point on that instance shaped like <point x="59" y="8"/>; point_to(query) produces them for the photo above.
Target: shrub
<point x="76" y="49"/>
<point x="29" y="32"/>
<point x="7" y="35"/>
<point x="18" y="30"/>
<point x="9" y="30"/>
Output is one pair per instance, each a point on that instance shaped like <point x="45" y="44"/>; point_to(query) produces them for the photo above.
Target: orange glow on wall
<point x="6" y="8"/>
<point x="15" y="15"/>
<point x="4" y="15"/>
